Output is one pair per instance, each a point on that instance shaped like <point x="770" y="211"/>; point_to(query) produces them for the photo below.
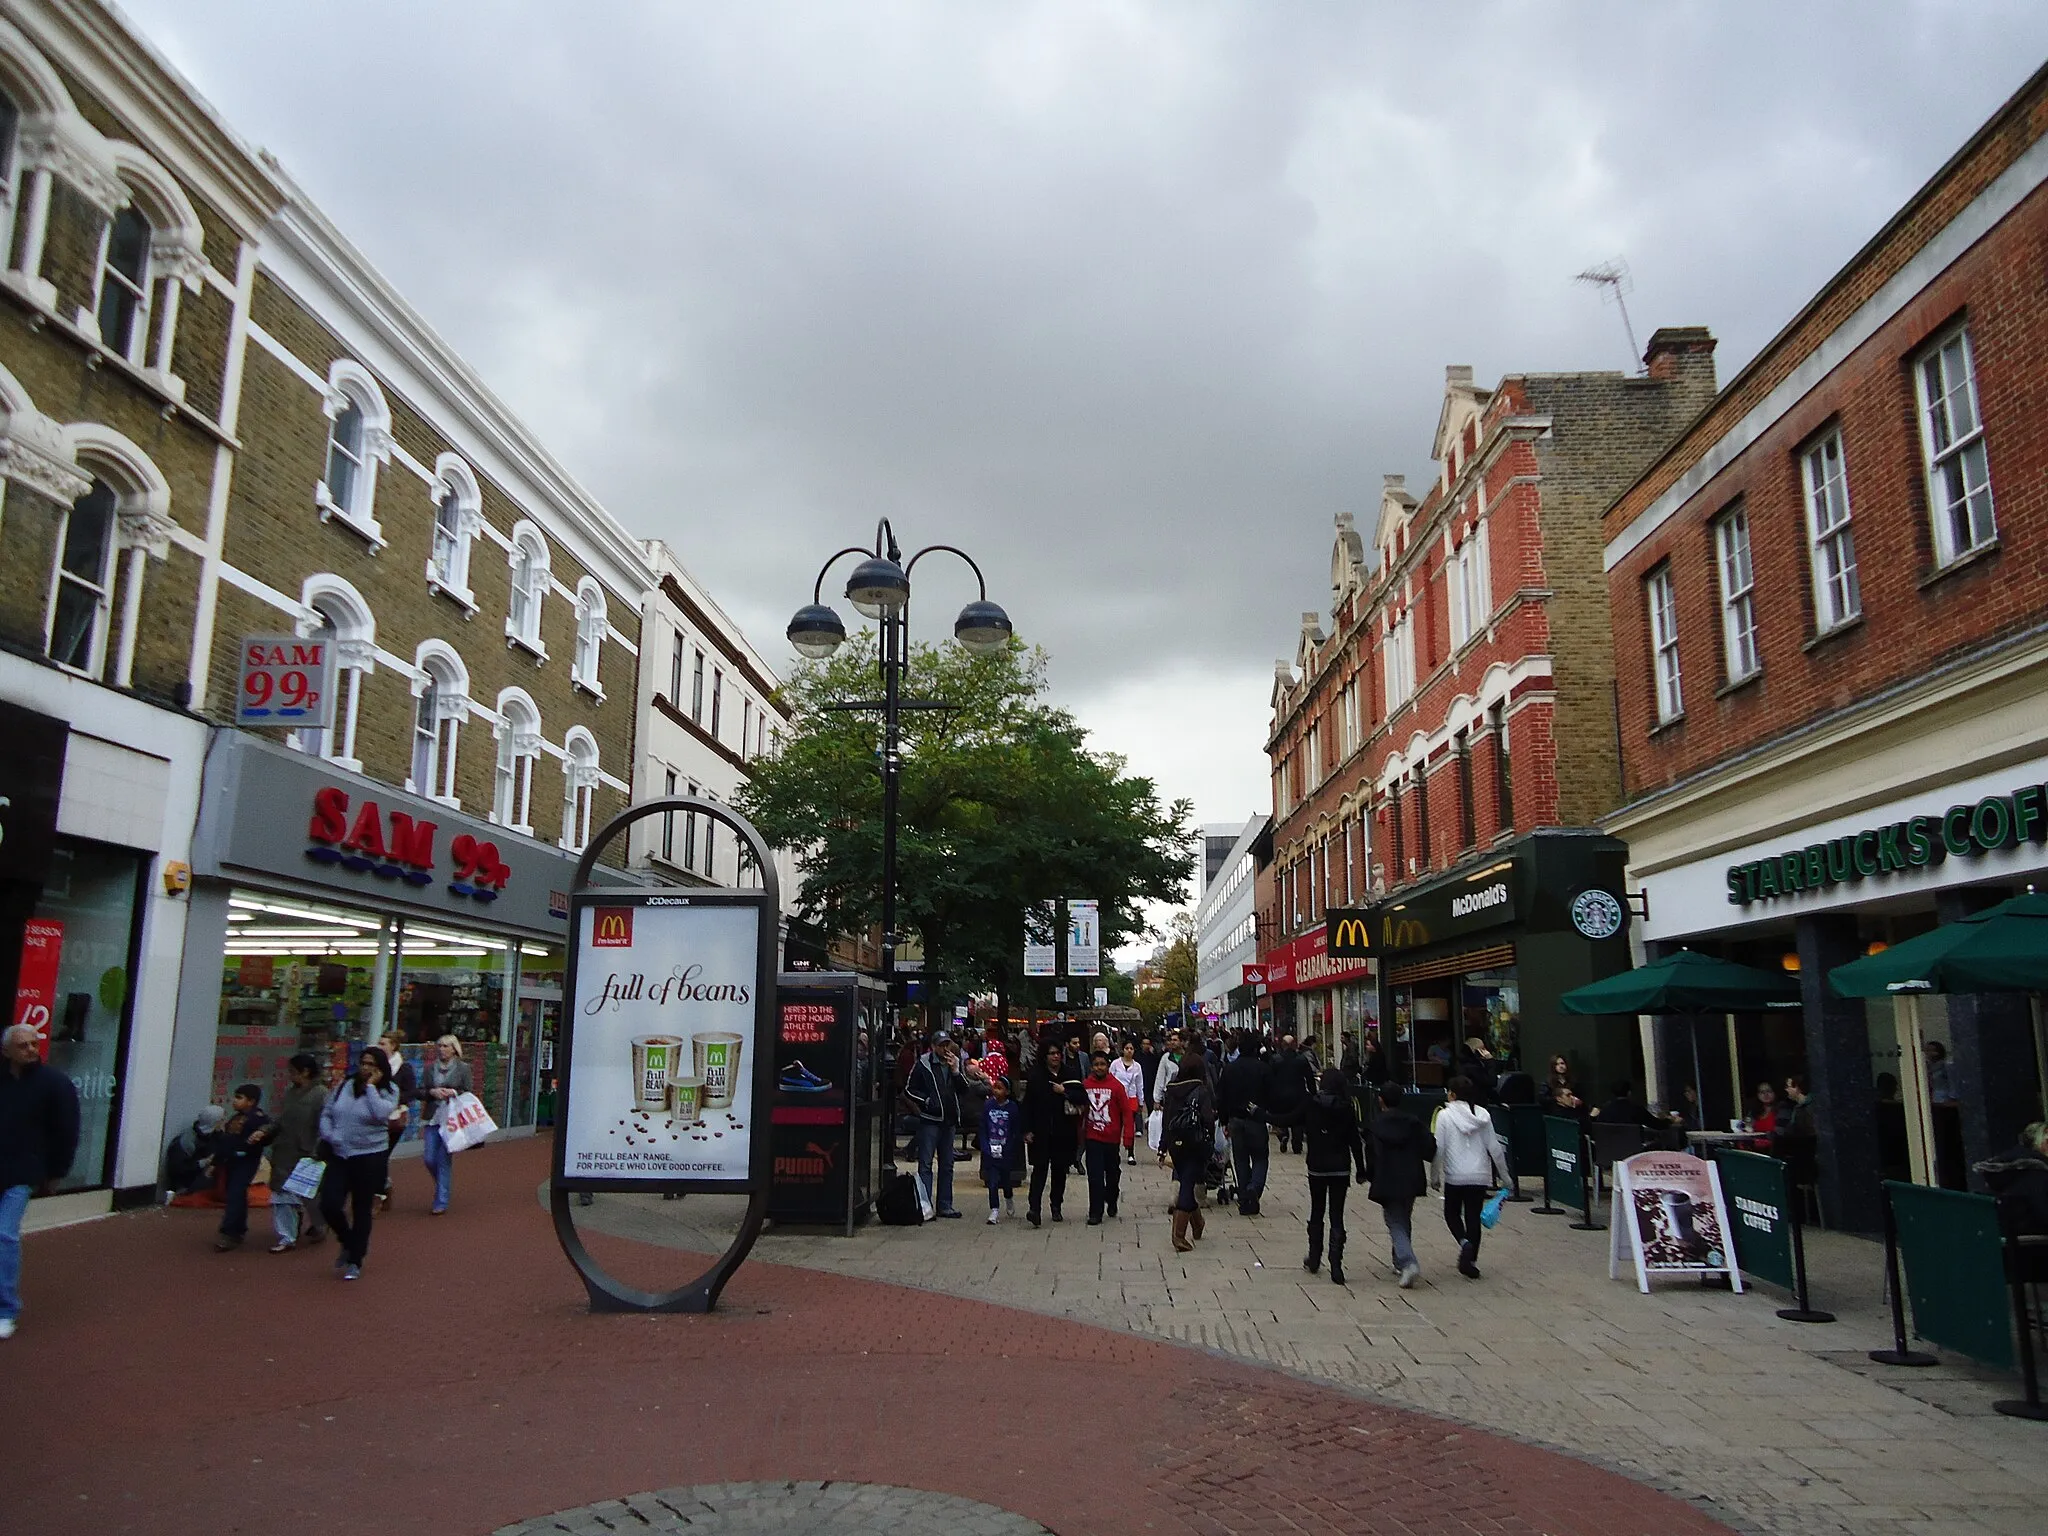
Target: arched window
<point x="529" y="560"/>
<point x="124" y="283"/>
<point x="518" y="750"/>
<point x="579" y="787"/>
<point x="46" y="141"/>
<point x="441" y="704"/>
<point x="82" y="587"/>
<point x="358" y="439"/>
<point x="458" y="517"/>
<point x="590" y="621"/>
<point x="339" y="613"/>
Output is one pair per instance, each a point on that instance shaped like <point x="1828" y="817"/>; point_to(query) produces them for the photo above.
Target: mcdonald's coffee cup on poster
<point x="663" y="1034"/>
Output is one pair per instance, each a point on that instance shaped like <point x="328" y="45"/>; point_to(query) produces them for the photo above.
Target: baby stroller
<point x="1217" y="1177"/>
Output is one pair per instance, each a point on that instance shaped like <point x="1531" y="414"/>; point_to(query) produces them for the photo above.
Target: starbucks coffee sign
<point x="1964" y="831"/>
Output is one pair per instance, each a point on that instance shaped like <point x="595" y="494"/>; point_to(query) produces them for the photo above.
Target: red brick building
<point x="1830" y="604"/>
<point x="1440" y="754"/>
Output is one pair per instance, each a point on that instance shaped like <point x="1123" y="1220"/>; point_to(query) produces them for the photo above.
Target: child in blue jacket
<point x="1002" y="1148"/>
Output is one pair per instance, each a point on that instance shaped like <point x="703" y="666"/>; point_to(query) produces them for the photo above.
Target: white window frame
<point x="331" y="605"/>
<point x="519" y="749"/>
<point x="1736" y="572"/>
<point x="579" y="787"/>
<point x="101" y="592"/>
<point x="1400" y="660"/>
<point x="590" y="626"/>
<point x="441" y="703"/>
<point x="135" y="346"/>
<point x="1830" y="533"/>
<point x="458" y="519"/>
<point x="1954" y="460"/>
<point x="1661" y="597"/>
<point x="528" y="550"/>
<point x="351" y="384"/>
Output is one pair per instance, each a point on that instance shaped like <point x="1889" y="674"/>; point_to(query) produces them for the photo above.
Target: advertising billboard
<point x="1041" y="952"/>
<point x="1084" y="938"/>
<point x="662" y="1056"/>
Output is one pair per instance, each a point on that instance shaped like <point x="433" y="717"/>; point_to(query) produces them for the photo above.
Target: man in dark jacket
<point x="1398" y="1152"/>
<point x="1050" y="1133"/>
<point x="38" y="1139"/>
<point x="1241" y="1103"/>
<point x="934" y="1088"/>
<point x="1290" y="1083"/>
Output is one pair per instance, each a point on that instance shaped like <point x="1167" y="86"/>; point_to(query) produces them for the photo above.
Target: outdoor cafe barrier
<point x="1567" y="1172"/>
<point x="1767" y="1229"/>
<point x="1520" y="1126"/>
<point x="1963" y="1278"/>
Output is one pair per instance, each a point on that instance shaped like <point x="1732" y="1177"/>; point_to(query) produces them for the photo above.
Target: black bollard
<point x="1898" y="1354"/>
<point x="1803" y="1312"/>
<point x="2030" y="1406"/>
<point x="1587" y="1175"/>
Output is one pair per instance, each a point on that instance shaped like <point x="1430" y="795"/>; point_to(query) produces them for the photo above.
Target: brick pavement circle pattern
<point x="784" y="1509"/>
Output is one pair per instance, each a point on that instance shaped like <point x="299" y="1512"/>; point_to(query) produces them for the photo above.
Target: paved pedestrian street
<point x="461" y="1386"/>
<point x="1771" y="1425"/>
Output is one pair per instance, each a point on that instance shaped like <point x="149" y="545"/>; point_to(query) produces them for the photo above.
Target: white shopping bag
<point x="466" y="1123"/>
<point x="1155" y="1128"/>
<point x="924" y="1200"/>
<point x="304" y="1180"/>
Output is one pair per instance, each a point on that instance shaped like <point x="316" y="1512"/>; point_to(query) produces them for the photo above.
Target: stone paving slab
<point x="1784" y="1427"/>
<point x="784" y="1509"/>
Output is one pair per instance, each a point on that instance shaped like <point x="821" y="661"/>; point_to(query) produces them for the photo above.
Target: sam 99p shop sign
<point x="1918" y="842"/>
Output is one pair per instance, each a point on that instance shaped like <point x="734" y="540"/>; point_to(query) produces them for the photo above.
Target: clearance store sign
<point x="1967" y="830"/>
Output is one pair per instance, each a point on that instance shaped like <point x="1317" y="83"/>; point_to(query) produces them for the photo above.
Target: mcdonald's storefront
<point x="1316" y="997"/>
<point x="328" y="909"/>
<point x="1489" y="948"/>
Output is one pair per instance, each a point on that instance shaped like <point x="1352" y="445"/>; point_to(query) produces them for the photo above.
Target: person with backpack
<point x="1469" y="1167"/>
<point x="1188" y="1137"/>
<point x="1333" y="1150"/>
<point x="1398" y="1152"/>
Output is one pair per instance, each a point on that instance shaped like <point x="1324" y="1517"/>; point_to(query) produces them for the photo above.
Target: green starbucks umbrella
<point x="1685" y="982"/>
<point x="2001" y="949"/>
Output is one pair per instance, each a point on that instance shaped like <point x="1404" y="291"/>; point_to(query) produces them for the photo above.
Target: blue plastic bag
<point x="1489" y="1214"/>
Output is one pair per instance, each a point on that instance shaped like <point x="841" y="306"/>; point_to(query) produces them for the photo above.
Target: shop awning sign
<point x="287" y="680"/>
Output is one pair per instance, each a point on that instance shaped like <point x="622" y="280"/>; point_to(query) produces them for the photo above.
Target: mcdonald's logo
<point x="1406" y="933"/>
<point x="1350" y="934"/>
<point x="611" y="928"/>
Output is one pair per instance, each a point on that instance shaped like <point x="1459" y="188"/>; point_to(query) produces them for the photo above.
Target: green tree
<point x="1002" y="806"/>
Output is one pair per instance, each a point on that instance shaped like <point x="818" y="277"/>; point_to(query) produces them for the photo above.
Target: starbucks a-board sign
<point x="665" y="997"/>
<point x="1670" y="1216"/>
<point x="665" y="1053"/>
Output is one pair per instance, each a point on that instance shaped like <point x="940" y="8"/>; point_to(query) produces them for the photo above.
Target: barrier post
<point x="1588" y="1174"/>
<point x="1802" y="1310"/>
<point x="1898" y="1354"/>
<point x="2030" y="1406"/>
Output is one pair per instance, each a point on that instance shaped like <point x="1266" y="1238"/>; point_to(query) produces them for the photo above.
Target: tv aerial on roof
<point x="1612" y="278"/>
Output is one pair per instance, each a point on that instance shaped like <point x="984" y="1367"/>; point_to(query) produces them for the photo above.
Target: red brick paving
<point x="461" y="1385"/>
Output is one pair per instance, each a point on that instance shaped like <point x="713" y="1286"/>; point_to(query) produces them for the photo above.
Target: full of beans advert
<point x="659" y="1086"/>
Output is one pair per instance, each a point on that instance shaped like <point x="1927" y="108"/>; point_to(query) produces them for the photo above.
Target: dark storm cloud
<point x="1129" y="299"/>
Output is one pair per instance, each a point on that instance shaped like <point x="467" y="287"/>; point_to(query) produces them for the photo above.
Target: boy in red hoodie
<point x="1105" y="1126"/>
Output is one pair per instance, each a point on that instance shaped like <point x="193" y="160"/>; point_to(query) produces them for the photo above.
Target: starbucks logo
<point x="1597" y="914"/>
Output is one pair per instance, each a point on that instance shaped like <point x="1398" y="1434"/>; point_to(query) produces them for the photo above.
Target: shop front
<point x="1486" y="952"/>
<point x="328" y="910"/>
<point x="1911" y="1088"/>
<point x="1316" y="997"/>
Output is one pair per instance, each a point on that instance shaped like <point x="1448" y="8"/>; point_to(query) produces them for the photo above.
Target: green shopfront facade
<point x="1489" y="948"/>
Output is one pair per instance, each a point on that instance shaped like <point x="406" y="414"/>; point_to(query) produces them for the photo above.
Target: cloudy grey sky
<point x="1128" y="297"/>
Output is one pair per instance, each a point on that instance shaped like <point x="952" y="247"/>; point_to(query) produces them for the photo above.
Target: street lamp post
<point x="879" y="588"/>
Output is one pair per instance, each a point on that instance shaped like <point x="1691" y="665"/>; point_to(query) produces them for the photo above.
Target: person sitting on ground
<point x="186" y="1169"/>
<point x="237" y="1154"/>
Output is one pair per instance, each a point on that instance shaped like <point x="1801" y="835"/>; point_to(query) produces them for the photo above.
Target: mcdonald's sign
<point x="611" y="928"/>
<point x="1350" y="933"/>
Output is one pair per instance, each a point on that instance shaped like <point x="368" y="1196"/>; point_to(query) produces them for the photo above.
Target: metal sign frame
<point x="700" y="1295"/>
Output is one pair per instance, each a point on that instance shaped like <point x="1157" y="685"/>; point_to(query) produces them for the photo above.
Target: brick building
<point x="218" y="420"/>
<point x="1441" y="753"/>
<point x="1830" y="613"/>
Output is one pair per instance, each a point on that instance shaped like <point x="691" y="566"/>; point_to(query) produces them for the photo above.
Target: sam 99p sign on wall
<point x="664" y="1049"/>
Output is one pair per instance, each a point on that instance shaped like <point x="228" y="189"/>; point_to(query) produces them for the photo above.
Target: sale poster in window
<point x="35" y="988"/>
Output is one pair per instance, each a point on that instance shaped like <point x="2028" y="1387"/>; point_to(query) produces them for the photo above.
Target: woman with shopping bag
<point x="447" y="1079"/>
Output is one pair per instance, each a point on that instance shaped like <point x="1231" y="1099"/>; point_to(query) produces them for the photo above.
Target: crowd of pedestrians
<point x="1217" y="1109"/>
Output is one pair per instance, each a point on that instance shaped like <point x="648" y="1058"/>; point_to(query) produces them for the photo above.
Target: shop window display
<point x="83" y="936"/>
<point x="1492" y="1010"/>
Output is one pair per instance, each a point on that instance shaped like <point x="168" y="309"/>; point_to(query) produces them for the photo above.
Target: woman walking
<point x="1051" y="1133"/>
<point x="448" y="1078"/>
<point x="353" y="1123"/>
<point x="1335" y="1150"/>
<point x="1469" y="1166"/>
<point x="1187" y="1134"/>
<point x="406" y="1082"/>
<point x="293" y="1135"/>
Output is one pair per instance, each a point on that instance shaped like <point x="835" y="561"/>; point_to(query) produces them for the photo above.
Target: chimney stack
<point x="1681" y="352"/>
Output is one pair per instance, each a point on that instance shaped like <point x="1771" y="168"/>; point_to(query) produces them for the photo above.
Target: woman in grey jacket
<point x="445" y="1080"/>
<point x="353" y="1123"/>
